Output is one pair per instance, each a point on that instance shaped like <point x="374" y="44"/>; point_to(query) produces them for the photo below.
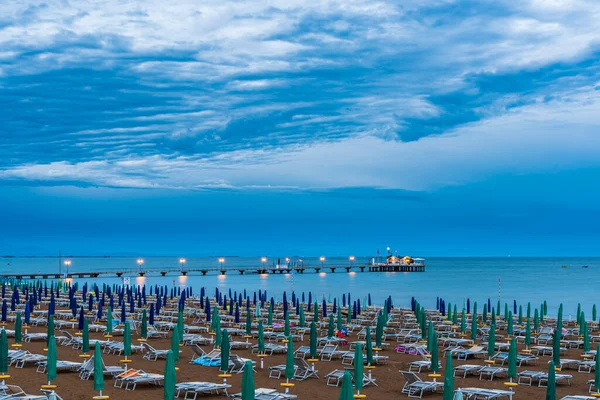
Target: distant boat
<point x="564" y="266"/>
<point x="585" y="266"/>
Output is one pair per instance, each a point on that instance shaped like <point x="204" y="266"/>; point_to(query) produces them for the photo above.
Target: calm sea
<point x="455" y="279"/>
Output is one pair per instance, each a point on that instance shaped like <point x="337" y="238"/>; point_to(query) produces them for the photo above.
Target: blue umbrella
<point x="151" y="316"/>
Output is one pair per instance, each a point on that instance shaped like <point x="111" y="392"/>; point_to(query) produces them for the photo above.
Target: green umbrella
<point x="302" y="321"/>
<point x="430" y="337"/>
<point x="474" y="327"/>
<point x="289" y="360"/>
<point x="379" y="332"/>
<point x="85" y="336"/>
<point x="175" y="344"/>
<point x="596" y="370"/>
<point x="493" y="321"/>
<point x="484" y="314"/>
<point x="520" y="314"/>
<point x="358" y="367"/>
<point x="338" y="320"/>
<point x="594" y="313"/>
<point x="491" y="349"/>
<point x="18" y="328"/>
<point x="449" y="313"/>
<point x="144" y="328"/>
<point x="369" y="346"/>
<point x="556" y="347"/>
<point x="506" y="311"/>
<point x="331" y="327"/>
<point x="109" y="327"/>
<point x="218" y="331"/>
<point x="170" y="376"/>
<point x="536" y="320"/>
<point x="248" y="382"/>
<point x="510" y="328"/>
<point x="313" y="340"/>
<point x="127" y="340"/>
<point x="346" y="393"/>
<point x="449" y="380"/>
<point x="349" y="315"/>
<point x="50" y="330"/>
<point x="224" y="367"/>
<point x="512" y="360"/>
<point x="261" y="338"/>
<point x="180" y="325"/>
<point x="586" y="337"/>
<point x="581" y="322"/>
<point x="463" y="321"/>
<point x="559" y="320"/>
<point x="435" y="363"/>
<point x="578" y="313"/>
<point x="286" y="324"/>
<point x="316" y="312"/>
<point x="215" y="320"/>
<point x="248" y="322"/>
<point x="270" y="316"/>
<point x="423" y="317"/>
<point x="51" y="360"/>
<point x="455" y="316"/>
<point x="528" y="333"/>
<point x="98" y="369"/>
<point x="3" y="353"/>
<point x="551" y="386"/>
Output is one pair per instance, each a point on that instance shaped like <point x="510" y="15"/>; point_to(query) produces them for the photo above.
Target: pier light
<point x="140" y="261"/>
<point x="221" y="261"/>
<point x="351" y="259"/>
<point x="322" y="259"/>
<point x="263" y="260"/>
<point x="67" y="264"/>
<point x="287" y="259"/>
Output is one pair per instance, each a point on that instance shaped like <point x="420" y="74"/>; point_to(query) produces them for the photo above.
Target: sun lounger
<point x="521" y="359"/>
<point x="492" y="372"/>
<point x="15" y="392"/>
<point x="416" y="366"/>
<point x="577" y="397"/>
<point x="483" y="394"/>
<point x="328" y="352"/>
<point x="462" y="371"/>
<point x="474" y="351"/>
<point x="87" y="369"/>
<point x="191" y="390"/>
<point x="415" y="387"/>
<point x="66" y="366"/>
<point x="131" y="378"/>
<point x="153" y="354"/>
<point x="529" y="377"/>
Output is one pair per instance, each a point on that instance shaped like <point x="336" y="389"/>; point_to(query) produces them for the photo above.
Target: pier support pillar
<point x="119" y="274"/>
<point x="223" y="272"/>
<point x="204" y="272"/>
<point x="348" y="269"/>
<point x="317" y="269"/>
<point x="242" y="271"/>
<point x="163" y="273"/>
<point x="184" y="273"/>
<point x="332" y="269"/>
<point x="362" y="269"/>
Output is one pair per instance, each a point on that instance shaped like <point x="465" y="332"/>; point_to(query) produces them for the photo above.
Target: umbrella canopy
<point x="3" y="353"/>
<point x="289" y="359"/>
<point x="286" y="327"/>
<point x="463" y="321"/>
<point x="358" y="367"/>
<point x="474" y="326"/>
<point x="491" y="349"/>
<point x="175" y="344"/>
<point x="180" y="325"/>
<point x="369" y="346"/>
<point x="449" y="380"/>
<point x="528" y="332"/>
<point x="338" y="320"/>
<point x="313" y="340"/>
<point x="379" y="331"/>
<point x="224" y="367"/>
<point x="144" y="328"/>
<point x="261" y="338"/>
<point x="51" y="359"/>
<point x="512" y="359"/>
<point x="170" y="375"/>
<point x="109" y="327"/>
<point x="98" y="368"/>
<point x="270" y="315"/>
<point x="331" y="326"/>
<point x="248" y="322"/>
<point x="586" y="337"/>
<point x="435" y="363"/>
<point x="346" y="393"/>
<point x="85" y="345"/>
<point x="248" y="382"/>
<point x="596" y="370"/>
<point x="18" y="328"/>
<point x="551" y="386"/>
<point x="127" y="340"/>
<point x="556" y="347"/>
<point x="302" y="318"/>
<point x="50" y="330"/>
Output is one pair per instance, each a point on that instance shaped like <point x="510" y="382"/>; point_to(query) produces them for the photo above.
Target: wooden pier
<point x="260" y="270"/>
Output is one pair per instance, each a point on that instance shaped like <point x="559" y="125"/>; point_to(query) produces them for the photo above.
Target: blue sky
<point x="438" y="127"/>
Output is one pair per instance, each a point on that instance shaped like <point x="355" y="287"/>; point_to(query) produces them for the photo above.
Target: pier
<point x="246" y="270"/>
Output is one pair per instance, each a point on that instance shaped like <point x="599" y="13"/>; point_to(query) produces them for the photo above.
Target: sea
<point x="556" y="280"/>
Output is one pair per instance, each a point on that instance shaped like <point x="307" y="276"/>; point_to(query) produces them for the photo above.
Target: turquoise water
<point x="454" y="279"/>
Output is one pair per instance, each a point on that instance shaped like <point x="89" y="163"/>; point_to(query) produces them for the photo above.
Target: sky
<point x="439" y="127"/>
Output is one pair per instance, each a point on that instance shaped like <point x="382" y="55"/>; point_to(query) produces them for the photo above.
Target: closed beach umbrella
<point x="586" y="337"/>
<point x="528" y="333"/>
<point x="175" y="344"/>
<point x="286" y="326"/>
<point x="3" y="353"/>
<point x="369" y="346"/>
<point x="596" y="370"/>
<point x="302" y="321"/>
<point x="144" y="327"/>
<point x="556" y="347"/>
<point x="18" y="329"/>
<point x="180" y="325"/>
<point x="484" y="314"/>
<point x="224" y="367"/>
<point x="270" y="315"/>
<point x="474" y="327"/>
<point x="51" y="360"/>
<point x="536" y="320"/>
<point x="127" y="341"/>
<point x="435" y="360"/>
<point x="551" y="388"/>
<point x="170" y="376"/>
<point x="261" y="338"/>
<point x="316" y="313"/>
<point x="289" y="359"/>
<point x="491" y="349"/>
<point x="358" y="367"/>
<point x="248" y="392"/>
<point x="331" y="327"/>
<point x="463" y="322"/>
<point x="455" y="316"/>
<point x="248" y="322"/>
<point x="346" y="392"/>
<point x="338" y="322"/>
<point x="378" y="332"/>
<point x="594" y="313"/>
<point x="98" y="369"/>
<point x="85" y="342"/>
<point x="313" y="340"/>
<point x="50" y="330"/>
<point x="109" y="327"/>
<point x="449" y="380"/>
<point x="512" y="360"/>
